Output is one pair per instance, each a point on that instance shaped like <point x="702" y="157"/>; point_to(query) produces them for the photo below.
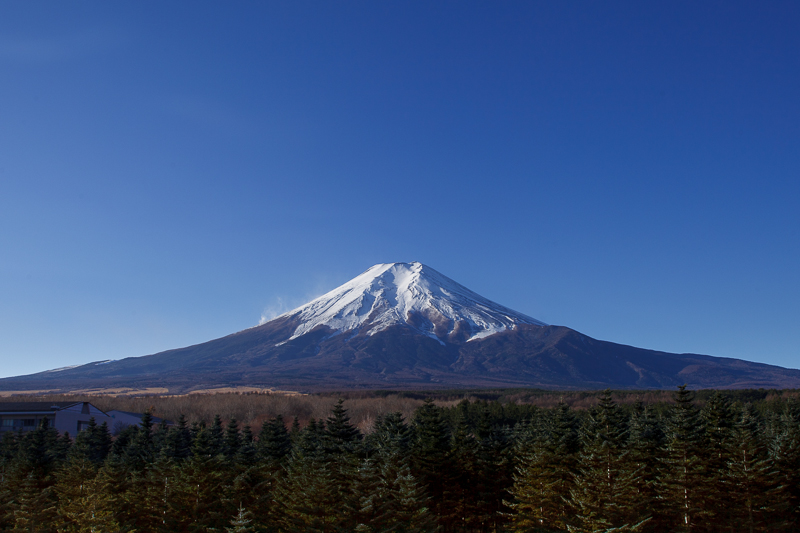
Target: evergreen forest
<point x="725" y="465"/>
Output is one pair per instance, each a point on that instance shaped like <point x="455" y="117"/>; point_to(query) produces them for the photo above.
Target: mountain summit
<point x="411" y="294"/>
<point x="406" y="326"/>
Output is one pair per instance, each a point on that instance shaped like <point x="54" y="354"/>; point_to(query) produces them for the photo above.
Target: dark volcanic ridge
<point x="398" y="357"/>
<point x="405" y="326"/>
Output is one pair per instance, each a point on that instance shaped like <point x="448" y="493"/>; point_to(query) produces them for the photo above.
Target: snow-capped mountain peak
<point x="409" y="294"/>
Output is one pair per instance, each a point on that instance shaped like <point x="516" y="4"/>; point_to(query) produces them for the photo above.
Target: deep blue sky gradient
<point x="172" y="172"/>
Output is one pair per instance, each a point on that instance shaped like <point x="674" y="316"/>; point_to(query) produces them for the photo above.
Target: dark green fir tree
<point x="233" y="439"/>
<point x="718" y="448"/>
<point x="646" y="451"/>
<point x="242" y="522"/>
<point x="545" y="476"/>
<point x="784" y="480"/>
<point x="685" y="465"/>
<point x="748" y="475"/>
<point x="430" y="462"/>
<point x="274" y="442"/>
<point x="178" y="441"/>
<point x="605" y="495"/>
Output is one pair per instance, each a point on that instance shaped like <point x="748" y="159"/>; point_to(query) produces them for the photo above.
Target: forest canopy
<point x="707" y="461"/>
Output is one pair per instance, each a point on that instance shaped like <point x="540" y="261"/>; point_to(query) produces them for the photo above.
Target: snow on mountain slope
<point x="406" y="294"/>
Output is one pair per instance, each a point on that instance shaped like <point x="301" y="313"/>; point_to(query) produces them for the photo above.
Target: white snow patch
<point x="61" y="369"/>
<point x="485" y="333"/>
<point x="387" y="294"/>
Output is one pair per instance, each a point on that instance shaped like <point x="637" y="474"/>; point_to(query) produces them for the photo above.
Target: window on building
<point x="19" y="422"/>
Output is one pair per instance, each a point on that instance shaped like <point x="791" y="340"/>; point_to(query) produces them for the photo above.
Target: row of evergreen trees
<point x="482" y="467"/>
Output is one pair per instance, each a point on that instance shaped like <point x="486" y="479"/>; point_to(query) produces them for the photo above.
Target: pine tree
<point x="468" y="484"/>
<point x="194" y="430"/>
<point x="748" y="475"/>
<point x="341" y="444"/>
<point x="308" y="496"/>
<point x="160" y="437"/>
<point x="784" y="479"/>
<point x="604" y="496"/>
<point x="246" y="455"/>
<point x="63" y="444"/>
<point x="123" y="439"/>
<point x="140" y="450"/>
<point x="178" y="441"/>
<point x="9" y="446"/>
<point x="232" y="440"/>
<point x="685" y="468"/>
<point x="507" y="463"/>
<point x="316" y="494"/>
<point x="274" y="442"/>
<point x="112" y="484"/>
<point x="98" y="511"/>
<point x="481" y="474"/>
<point x="70" y="486"/>
<point x="199" y="488"/>
<point x="389" y="497"/>
<point x="646" y="451"/>
<point x="430" y="457"/>
<point x="545" y="476"/>
<point x="40" y="451"/>
<point x="250" y="480"/>
<point x="6" y="503"/>
<point x="29" y="478"/>
<point x="140" y="512"/>
<point x="341" y="435"/>
<point x="216" y="437"/>
<point x="92" y="444"/>
<point x="35" y="509"/>
<point x="294" y="432"/>
<point x="718" y="449"/>
<point x="155" y="496"/>
<point x="311" y="440"/>
<point x="390" y="433"/>
<point x="84" y="502"/>
<point x="255" y="480"/>
<point x="8" y="451"/>
<point x="241" y="522"/>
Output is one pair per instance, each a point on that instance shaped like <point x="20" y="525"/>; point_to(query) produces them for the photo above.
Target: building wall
<point x="68" y="420"/>
<point x="122" y="420"/>
<point x="23" y="421"/>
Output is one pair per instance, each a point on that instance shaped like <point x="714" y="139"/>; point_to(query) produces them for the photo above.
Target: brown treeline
<point x="364" y="407"/>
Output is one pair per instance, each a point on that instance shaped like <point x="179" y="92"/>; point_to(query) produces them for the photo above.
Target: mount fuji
<point x="411" y="295"/>
<point x="403" y="326"/>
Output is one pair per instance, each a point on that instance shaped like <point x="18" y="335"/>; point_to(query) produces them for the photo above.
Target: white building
<point x="66" y="417"/>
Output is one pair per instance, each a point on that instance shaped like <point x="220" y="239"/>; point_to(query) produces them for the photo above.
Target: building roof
<point x="38" y="407"/>
<point x="156" y="420"/>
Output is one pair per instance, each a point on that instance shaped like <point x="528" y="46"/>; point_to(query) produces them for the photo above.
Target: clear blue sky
<point x="172" y="171"/>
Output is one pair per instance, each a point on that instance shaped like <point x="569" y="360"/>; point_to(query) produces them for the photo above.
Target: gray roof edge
<point x="39" y="407"/>
<point x="138" y="415"/>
